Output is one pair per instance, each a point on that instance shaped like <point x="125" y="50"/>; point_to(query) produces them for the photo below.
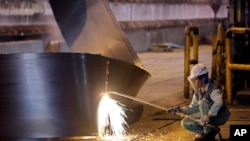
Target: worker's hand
<point x="174" y="110"/>
<point x="203" y="120"/>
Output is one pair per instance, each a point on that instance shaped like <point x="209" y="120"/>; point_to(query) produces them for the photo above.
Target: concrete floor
<point x="165" y="88"/>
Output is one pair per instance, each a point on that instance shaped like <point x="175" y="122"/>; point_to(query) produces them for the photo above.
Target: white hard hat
<point x="197" y="70"/>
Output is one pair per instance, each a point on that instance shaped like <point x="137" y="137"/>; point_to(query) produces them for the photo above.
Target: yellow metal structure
<point x="218" y="58"/>
<point x="230" y="59"/>
<point x="232" y="66"/>
<point x="221" y="60"/>
<point x="191" y="32"/>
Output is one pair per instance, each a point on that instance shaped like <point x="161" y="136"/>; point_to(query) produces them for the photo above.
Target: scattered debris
<point x="163" y="47"/>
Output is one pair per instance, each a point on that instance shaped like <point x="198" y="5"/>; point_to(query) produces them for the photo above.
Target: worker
<point x="208" y="106"/>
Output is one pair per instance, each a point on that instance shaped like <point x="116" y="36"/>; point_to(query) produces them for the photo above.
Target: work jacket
<point x="213" y="94"/>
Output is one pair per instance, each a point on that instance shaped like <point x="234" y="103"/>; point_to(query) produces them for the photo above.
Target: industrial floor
<point x="165" y="88"/>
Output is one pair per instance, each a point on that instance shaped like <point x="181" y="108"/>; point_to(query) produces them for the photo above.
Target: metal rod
<point x="140" y="100"/>
<point x="151" y="104"/>
<point x="163" y="108"/>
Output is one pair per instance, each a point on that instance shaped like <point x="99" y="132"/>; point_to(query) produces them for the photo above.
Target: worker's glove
<point x="174" y="110"/>
<point x="203" y="120"/>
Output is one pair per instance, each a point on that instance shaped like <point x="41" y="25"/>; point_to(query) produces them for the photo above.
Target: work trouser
<point x="204" y="107"/>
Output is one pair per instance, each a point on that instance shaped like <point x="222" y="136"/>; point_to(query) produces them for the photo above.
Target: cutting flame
<point x="111" y="118"/>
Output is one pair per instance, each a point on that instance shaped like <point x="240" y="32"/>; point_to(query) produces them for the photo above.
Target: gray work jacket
<point x="214" y="94"/>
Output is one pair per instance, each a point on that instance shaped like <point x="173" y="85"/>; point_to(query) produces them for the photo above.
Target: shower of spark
<point x="111" y="115"/>
<point x="111" y="118"/>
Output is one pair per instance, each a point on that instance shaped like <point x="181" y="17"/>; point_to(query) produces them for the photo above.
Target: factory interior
<point x="110" y="70"/>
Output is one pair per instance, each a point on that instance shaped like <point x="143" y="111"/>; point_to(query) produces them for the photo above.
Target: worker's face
<point x="195" y="83"/>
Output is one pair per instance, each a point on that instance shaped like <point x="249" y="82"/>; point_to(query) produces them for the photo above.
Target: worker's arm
<point x="217" y="98"/>
<point x="193" y="106"/>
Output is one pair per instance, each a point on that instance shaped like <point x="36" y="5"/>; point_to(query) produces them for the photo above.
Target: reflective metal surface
<point x="89" y="26"/>
<point x="51" y="95"/>
<point x="79" y="138"/>
<point x="70" y="16"/>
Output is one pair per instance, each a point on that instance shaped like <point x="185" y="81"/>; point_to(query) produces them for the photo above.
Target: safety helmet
<point x="197" y="70"/>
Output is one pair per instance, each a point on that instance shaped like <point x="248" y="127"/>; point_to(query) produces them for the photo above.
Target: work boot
<point x="207" y="137"/>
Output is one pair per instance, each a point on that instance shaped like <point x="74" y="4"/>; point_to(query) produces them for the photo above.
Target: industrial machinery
<point x="230" y="56"/>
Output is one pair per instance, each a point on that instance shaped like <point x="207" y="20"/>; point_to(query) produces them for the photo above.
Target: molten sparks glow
<point x="111" y="118"/>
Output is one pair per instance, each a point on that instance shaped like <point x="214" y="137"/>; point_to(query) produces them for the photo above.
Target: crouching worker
<point x="208" y="106"/>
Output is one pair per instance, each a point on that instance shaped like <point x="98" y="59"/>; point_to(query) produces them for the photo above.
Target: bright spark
<point x="111" y="118"/>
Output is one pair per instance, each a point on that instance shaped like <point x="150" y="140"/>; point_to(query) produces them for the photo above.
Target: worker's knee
<point x="191" y="125"/>
<point x="185" y="123"/>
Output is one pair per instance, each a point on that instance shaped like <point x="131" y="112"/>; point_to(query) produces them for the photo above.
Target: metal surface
<point x="89" y="26"/>
<point x="50" y="95"/>
<point x="70" y="16"/>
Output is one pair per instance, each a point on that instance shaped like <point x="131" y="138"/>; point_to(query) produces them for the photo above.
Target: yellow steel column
<point x="217" y="54"/>
<point x="195" y="45"/>
<point x="187" y="61"/>
<point x="228" y="71"/>
<point x="214" y="56"/>
<point x="195" y="38"/>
